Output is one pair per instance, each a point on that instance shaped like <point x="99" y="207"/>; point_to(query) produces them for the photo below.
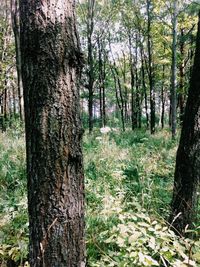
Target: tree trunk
<point x="119" y="98"/>
<point x="118" y="87"/>
<point x="90" y="28"/>
<point x="16" y="31"/>
<point x="173" y="75"/>
<point x="151" y="70"/>
<point x="10" y="111"/>
<point x="133" y="118"/>
<point x="163" y="98"/>
<point x="187" y="172"/>
<point x="101" y="82"/>
<point x="138" y="97"/>
<point x="103" y="86"/>
<point x="144" y="86"/>
<point x="14" y="100"/>
<point x="51" y="61"/>
<point x="1" y="110"/>
<point x="125" y="94"/>
<point x="5" y="107"/>
<point x="181" y="100"/>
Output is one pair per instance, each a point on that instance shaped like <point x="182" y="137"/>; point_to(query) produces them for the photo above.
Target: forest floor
<point x="128" y="180"/>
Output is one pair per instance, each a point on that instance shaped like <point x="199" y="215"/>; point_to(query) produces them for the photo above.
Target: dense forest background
<point x="138" y="58"/>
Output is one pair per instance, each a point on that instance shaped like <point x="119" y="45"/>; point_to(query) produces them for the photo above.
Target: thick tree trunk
<point x="187" y="172"/>
<point x="51" y="60"/>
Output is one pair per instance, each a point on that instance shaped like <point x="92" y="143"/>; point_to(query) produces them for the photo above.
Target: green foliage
<point x="140" y="240"/>
<point x="13" y="204"/>
<point x="128" y="178"/>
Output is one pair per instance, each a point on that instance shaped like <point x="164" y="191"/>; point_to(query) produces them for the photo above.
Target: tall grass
<point x="128" y="181"/>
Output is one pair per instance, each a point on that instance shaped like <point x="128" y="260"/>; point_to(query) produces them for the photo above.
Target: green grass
<point x="13" y="203"/>
<point x="128" y="180"/>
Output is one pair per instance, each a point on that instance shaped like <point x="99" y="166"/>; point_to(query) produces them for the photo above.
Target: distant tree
<point x="151" y="70"/>
<point x="7" y="69"/>
<point x="173" y="70"/>
<point x="187" y="171"/>
<point x="14" y="6"/>
<point x="90" y="61"/>
<point x="51" y="61"/>
<point x="102" y="77"/>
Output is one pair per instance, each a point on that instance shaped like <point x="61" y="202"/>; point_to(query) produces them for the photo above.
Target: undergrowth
<point x="129" y="181"/>
<point x="13" y="203"/>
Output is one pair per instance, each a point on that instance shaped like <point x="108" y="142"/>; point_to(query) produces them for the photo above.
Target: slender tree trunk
<point x="163" y="98"/>
<point x="119" y="98"/>
<point x="173" y="75"/>
<point x="144" y="87"/>
<point x="137" y="100"/>
<point x="104" y="102"/>
<point x="181" y="100"/>
<point x="16" y="30"/>
<point x="14" y="100"/>
<point x="187" y="171"/>
<point x="51" y="61"/>
<point x="5" y="108"/>
<point x="10" y="110"/>
<point x="1" y="111"/>
<point x="90" y="28"/>
<point x="133" y="118"/>
<point x="123" y="69"/>
<point x="101" y="83"/>
<point x="151" y="69"/>
<point x="118" y="88"/>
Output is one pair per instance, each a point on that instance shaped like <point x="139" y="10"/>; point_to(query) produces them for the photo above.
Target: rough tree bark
<point x="51" y="61"/>
<point x="187" y="172"/>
